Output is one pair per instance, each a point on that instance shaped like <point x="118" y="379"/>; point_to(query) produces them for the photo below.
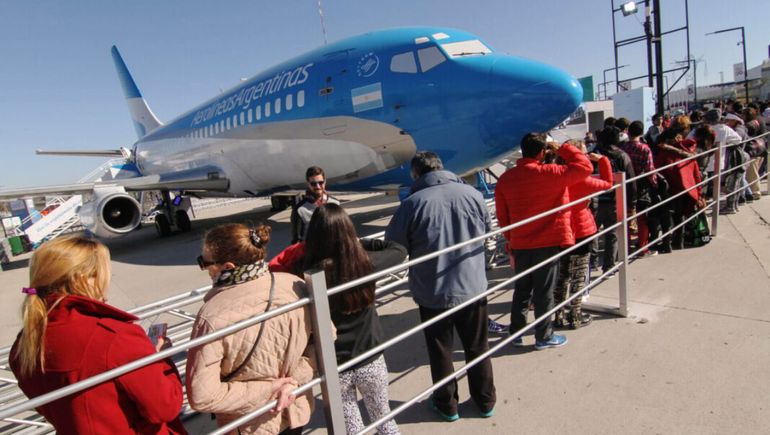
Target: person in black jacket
<point x="606" y="214"/>
<point x="331" y="244"/>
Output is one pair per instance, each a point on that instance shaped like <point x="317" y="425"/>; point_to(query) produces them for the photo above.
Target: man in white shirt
<point x="724" y="136"/>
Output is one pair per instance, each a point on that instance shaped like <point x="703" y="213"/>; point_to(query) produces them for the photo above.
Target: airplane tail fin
<point x="144" y="120"/>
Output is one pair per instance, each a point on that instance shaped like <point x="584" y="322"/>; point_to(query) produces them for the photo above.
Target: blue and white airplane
<point x="359" y="108"/>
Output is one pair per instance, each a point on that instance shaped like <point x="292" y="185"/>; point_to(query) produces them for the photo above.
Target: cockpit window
<point x="430" y="57"/>
<point x="466" y="48"/>
<point x="403" y="63"/>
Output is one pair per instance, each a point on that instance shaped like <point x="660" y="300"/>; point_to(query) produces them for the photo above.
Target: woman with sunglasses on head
<point x="332" y="244"/>
<point x="71" y="334"/>
<point x="243" y="371"/>
<point x="315" y="195"/>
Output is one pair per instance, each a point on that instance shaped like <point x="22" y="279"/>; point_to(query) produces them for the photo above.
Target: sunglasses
<point x="203" y="264"/>
<point x="317" y="183"/>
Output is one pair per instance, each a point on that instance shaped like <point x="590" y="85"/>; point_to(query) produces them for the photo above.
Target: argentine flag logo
<point x="367" y="97"/>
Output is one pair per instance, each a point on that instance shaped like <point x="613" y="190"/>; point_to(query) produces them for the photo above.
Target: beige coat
<point x="278" y="354"/>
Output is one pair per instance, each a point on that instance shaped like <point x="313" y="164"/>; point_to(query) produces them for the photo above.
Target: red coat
<point x="530" y="188"/>
<point x="583" y="223"/>
<point x="289" y="260"/>
<point x="85" y="337"/>
<point x="683" y="175"/>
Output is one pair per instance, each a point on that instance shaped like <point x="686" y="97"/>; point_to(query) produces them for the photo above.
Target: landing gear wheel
<point x="162" y="225"/>
<point x="183" y="221"/>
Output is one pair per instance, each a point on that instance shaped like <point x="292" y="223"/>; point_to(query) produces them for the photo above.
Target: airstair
<point x="61" y="215"/>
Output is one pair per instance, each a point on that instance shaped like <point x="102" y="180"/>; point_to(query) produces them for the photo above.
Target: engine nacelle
<point x="111" y="213"/>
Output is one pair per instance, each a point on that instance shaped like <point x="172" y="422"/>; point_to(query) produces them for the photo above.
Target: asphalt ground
<point x="691" y="357"/>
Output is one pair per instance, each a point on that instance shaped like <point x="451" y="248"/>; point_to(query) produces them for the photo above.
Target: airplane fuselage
<point x="360" y="108"/>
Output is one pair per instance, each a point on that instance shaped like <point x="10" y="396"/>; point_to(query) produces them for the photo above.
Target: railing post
<point x="767" y="167"/>
<point x="716" y="189"/>
<point x="621" y="210"/>
<point x="327" y="357"/>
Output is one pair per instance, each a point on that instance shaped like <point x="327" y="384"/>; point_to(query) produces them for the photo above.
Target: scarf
<point x="241" y="274"/>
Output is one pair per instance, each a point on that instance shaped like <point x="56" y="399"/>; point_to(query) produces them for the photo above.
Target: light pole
<point x="745" y="68"/>
<point x="604" y="75"/>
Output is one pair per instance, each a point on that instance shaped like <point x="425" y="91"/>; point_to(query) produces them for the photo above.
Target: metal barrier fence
<point x="317" y="301"/>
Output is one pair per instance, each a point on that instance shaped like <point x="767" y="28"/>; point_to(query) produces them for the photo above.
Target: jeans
<point x="537" y="286"/>
<point x="606" y="216"/>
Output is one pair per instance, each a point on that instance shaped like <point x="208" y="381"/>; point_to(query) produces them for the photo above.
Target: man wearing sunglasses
<point x="315" y="195"/>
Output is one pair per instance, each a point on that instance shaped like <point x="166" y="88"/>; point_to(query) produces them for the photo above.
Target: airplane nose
<point x="525" y="96"/>
<point x="542" y="84"/>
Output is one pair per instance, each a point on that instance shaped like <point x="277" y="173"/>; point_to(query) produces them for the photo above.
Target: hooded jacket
<point x="581" y="218"/>
<point x="531" y="188"/>
<point x="84" y="338"/>
<point x="440" y="212"/>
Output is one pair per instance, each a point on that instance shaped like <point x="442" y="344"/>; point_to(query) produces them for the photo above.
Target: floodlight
<point x="628" y="8"/>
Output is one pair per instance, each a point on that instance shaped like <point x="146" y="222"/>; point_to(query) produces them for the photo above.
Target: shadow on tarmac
<point x="144" y="247"/>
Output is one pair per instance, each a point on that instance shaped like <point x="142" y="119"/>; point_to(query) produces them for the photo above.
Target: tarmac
<point x="691" y="358"/>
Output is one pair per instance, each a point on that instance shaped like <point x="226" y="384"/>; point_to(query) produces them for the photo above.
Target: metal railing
<point x="317" y="301"/>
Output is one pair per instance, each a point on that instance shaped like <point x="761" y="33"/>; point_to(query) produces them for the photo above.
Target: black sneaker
<point x="578" y="319"/>
<point x="559" y="322"/>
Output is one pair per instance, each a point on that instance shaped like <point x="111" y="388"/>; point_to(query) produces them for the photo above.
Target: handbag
<point x="697" y="231"/>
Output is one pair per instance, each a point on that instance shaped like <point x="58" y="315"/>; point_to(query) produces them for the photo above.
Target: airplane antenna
<point x="323" y="26"/>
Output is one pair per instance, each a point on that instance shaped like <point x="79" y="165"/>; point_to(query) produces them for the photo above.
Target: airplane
<point x="359" y="108"/>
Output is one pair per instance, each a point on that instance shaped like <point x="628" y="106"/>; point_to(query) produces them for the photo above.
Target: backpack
<point x="737" y="158"/>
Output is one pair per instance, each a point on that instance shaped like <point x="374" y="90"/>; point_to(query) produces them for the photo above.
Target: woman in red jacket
<point x="70" y="334"/>
<point x="573" y="268"/>
<point x="684" y="176"/>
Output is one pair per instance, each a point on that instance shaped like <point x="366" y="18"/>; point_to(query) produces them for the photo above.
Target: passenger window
<point x="429" y="58"/>
<point x="403" y="63"/>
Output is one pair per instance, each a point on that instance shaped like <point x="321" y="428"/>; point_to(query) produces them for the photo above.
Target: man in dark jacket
<point x="442" y="211"/>
<point x="315" y="195"/>
<point x="606" y="213"/>
<point x="528" y="189"/>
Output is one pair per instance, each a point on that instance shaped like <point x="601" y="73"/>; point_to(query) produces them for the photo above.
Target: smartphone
<point x="156" y="331"/>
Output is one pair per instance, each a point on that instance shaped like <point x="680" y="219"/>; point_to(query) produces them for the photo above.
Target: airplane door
<point x="334" y="99"/>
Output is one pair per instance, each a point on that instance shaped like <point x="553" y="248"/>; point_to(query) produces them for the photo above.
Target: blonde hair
<point x="65" y="266"/>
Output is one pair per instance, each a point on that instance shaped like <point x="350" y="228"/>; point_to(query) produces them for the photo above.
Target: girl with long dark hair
<point x="331" y="244"/>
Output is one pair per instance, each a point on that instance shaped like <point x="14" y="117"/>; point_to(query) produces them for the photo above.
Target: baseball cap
<point x="734" y="117"/>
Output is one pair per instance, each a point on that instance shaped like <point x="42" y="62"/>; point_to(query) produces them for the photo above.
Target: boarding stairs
<point x="62" y="217"/>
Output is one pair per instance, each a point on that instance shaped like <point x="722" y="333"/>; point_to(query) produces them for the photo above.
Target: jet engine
<point x="111" y="213"/>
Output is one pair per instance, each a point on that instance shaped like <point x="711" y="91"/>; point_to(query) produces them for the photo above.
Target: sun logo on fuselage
<point x="368" y="65"/>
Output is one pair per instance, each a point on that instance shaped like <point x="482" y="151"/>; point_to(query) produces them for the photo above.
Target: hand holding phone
<point x="157" y="331"/>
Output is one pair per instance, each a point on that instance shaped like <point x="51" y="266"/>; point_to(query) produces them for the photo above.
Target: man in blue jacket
<point x="442" y="211"/>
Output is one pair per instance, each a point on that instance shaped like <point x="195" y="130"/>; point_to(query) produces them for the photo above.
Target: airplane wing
<point x="206" y="178"/>
<point x="84" y="153"/>
<point x="121" y="152"/>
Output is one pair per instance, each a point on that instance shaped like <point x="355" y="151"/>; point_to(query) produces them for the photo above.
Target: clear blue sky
<point x="58" y="88"/>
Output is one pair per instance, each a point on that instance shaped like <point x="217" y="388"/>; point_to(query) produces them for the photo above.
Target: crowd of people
<point x="70" y="333"/>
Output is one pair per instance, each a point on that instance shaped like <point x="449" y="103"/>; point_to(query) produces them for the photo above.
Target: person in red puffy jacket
<point x="573" y="268"/>
<point x="70" y="334"/>
<point x="528" y="189"/>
